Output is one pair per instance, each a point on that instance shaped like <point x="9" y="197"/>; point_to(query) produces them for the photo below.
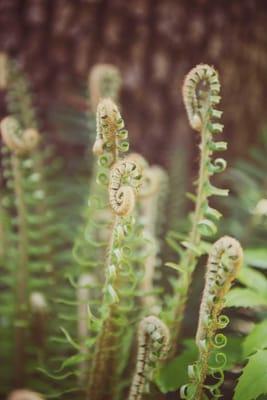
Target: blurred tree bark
<point x="154" y="43"/>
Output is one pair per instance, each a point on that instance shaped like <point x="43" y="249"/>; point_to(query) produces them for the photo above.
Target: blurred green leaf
<point x="233" y="351"/>
<point x="238" y="297"/>
<point x="173" y="374"/>
<point x="253" y="381"/>
<point x="256" y="257"/>
<point x="253" y="279"/>
<point x="257" y="339"/>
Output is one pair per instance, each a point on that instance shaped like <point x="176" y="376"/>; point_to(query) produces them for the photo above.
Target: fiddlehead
<point x="89" y="244"/>
<point x="153" y="341"/>
<point x="124" y="181"/>
<point x="224" y="262"/>
<point x="17" y="140"/>
<point x="110" y="134"/>
<point x="118" y="277"/>
<point x="104" y="82"/>
<point x="109" y="182"/>
<point x="201" y="94"/>
<point x="200" y="91"/>
<point x="122" y="193"/>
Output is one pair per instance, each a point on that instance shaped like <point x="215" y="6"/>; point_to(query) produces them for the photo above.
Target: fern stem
<point x="104" y="352"/>
<point x="22" y="276"/>
<point x="124" y="181"/>
<point x="189" y="259"/>
<point x="200" y="93"/>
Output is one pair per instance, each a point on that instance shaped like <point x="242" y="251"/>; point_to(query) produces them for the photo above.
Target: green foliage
<point x="256" y="257"/>
<point x="37" y="254"/>
<point x="256" y="339"/>
<point x="253" y="381"/>
<point x="245" y="298"/>
<point x="173" y="374"/>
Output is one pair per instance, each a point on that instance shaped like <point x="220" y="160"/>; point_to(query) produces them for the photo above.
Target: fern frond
<point x="201" y="95"/>
<point x="153" y="342"/>
<point x="224" y="263"/>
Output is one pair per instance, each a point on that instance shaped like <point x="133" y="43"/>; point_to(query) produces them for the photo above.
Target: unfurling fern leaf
<point x="153" y="342"/>
<point x="201" y="95"/>
<point x="224" y="262"/>
<point x="123" y="182"/>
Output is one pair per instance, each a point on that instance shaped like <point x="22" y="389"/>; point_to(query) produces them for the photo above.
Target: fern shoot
<point x="153" y="341"/>
<point x="224" y="263"/>
<point x="103" y="82"/>
<point x="200" y="94"/>
<point x="123" y="179"/>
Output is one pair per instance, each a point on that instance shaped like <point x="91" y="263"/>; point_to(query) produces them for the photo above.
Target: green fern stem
<point x="21" y="276"/>
<point x="104" y="340"/>
<point x="117" y="305"/>
<point x="201" y="94"/>
<point x="224" y="262"/>
<point x="123" y="178"/>
<point x="20" y="143"/>
<point x="189" y="257"/>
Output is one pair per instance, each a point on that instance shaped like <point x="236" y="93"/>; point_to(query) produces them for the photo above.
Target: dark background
<point x="154" y="43"/>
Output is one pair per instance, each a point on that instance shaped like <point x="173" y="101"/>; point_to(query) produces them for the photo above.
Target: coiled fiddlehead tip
<point x="108" y="121"/>
<point x="3" y="70"/>
<point x="157" y="332"/>
<point x="232" y="249"/>
<point x="152" y="176"/>
<point x="153" y="345"/>
<point x="201" y="88"/>
<point x="24" y="394"/>
<point x="125" y="181"/>
<point x="17" y="140"/>
<point x="224" y="263"/>
<point x="104" y="81"/>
